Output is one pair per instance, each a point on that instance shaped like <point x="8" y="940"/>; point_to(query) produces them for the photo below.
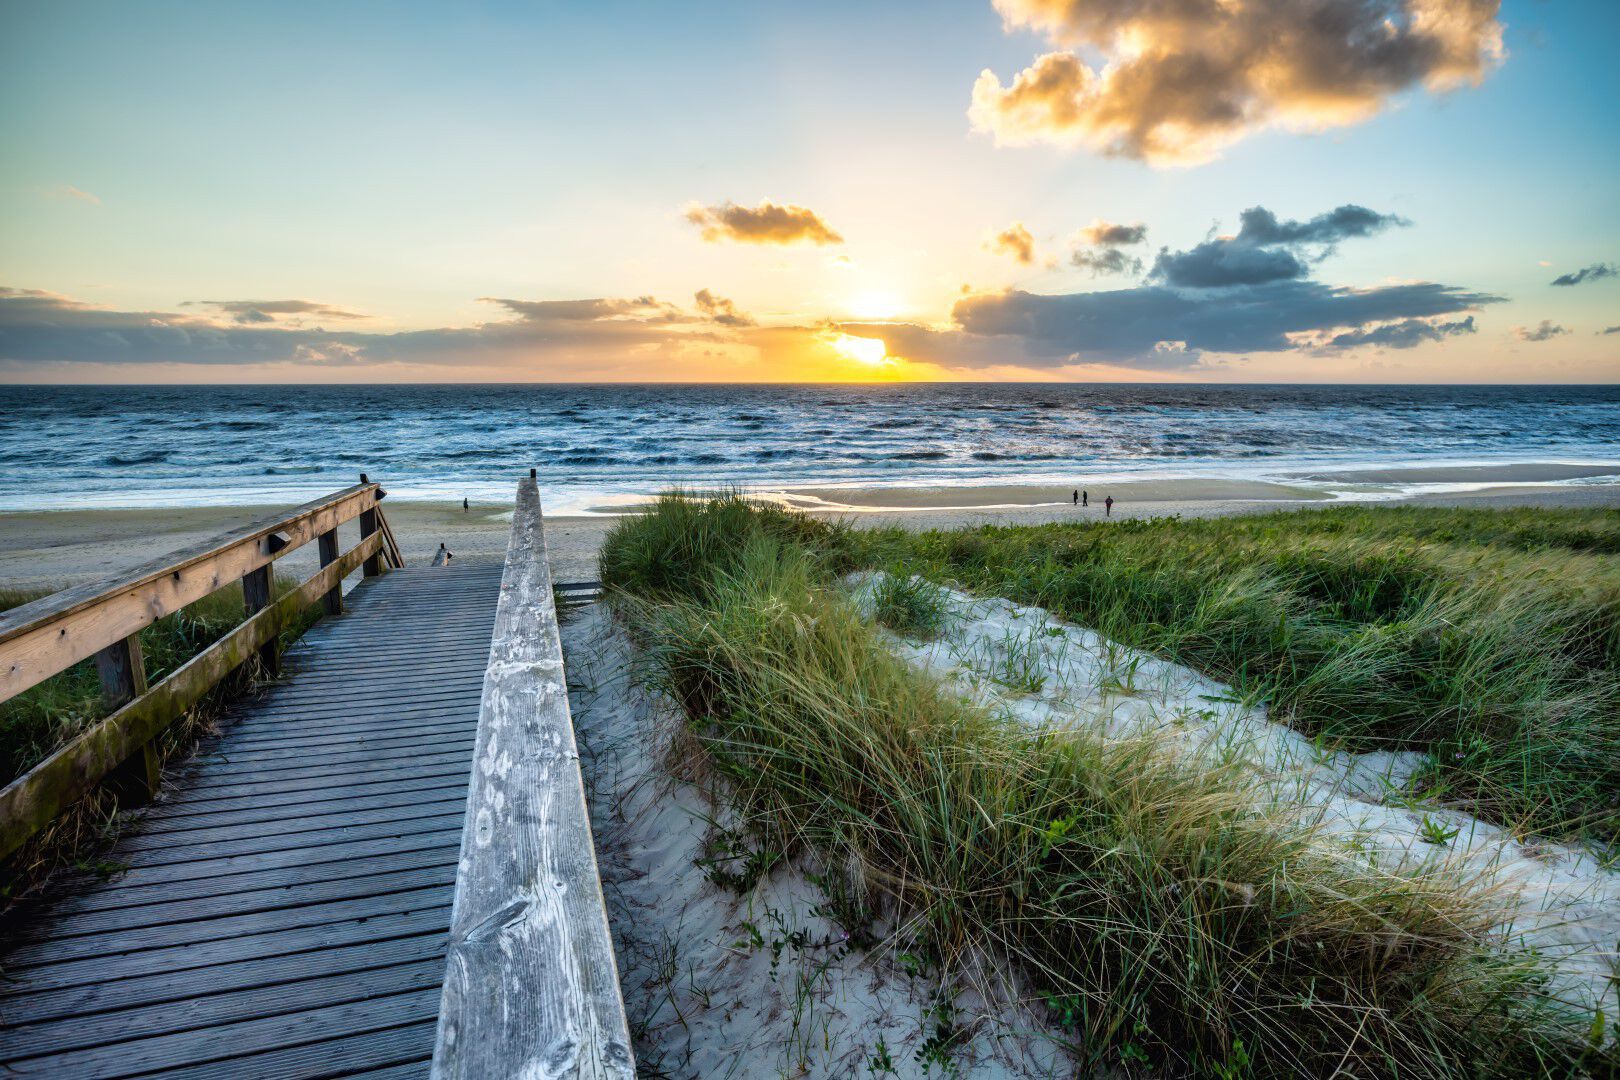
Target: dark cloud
<point x="1402" y="335"/>
<point x="1595" y="272"/>
<point x="1106" y="260"/>
<point x="718" y="309"/>
<point x="767" y="223"/>
<point x="263" y="312"/>
<point x="1546" y="331"/>
<point x="1179" y="79"/>
<point x="1267" y="249"/>
<point x="1153" y="327"/>
<point x="1102" y="233"/>
<point x="42" y="327"/>
<point x="1014" y="240"/>
<point x="1610" y="330"/>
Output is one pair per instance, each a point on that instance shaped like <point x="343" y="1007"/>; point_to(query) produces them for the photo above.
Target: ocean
<point x="599" y="445"/>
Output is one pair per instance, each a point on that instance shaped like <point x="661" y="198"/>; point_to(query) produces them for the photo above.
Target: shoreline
<point x="53" y="548"/>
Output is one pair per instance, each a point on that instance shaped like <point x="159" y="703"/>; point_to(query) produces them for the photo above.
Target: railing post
<point x="123" y="679"/>
<point x="333" y="600"/>
<point x="368" y="525"/>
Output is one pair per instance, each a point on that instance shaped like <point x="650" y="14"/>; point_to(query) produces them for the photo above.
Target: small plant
<point x="911" y="606"/>
<point x="732" y="864"/>
<point x="1431" y="831"/>
<point x="881" y="1063"/>
<point x="943" y="1035"/>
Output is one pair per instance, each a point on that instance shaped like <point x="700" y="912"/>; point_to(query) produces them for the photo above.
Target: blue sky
<point x="403" y="161"/>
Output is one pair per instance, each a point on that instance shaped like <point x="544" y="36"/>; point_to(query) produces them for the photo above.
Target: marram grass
<point x="1163" y="920"/>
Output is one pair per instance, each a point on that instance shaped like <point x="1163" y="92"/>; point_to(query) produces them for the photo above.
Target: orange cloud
<point x="1182" y="80"/>
<point x="767" y="223"/>
<point x="1014" y="240"/>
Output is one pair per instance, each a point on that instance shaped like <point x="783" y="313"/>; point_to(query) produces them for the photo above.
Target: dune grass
<point x="1490" y="639"/>
<point x="1167" y="923"/>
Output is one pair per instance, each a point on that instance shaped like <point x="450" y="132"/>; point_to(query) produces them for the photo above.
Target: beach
<point x="50" y="548"/>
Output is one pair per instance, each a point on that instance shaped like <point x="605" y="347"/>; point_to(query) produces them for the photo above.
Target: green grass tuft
<point x="1164" y="919"/>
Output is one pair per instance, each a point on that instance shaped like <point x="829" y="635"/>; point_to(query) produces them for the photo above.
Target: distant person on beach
<point x="463" y="506"/>
<point x="1085" y="498"/>
<point x="1077" y="496"/>
<point x="1108" y="506"/>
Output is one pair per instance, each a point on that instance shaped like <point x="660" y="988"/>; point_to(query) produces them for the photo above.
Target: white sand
<point x="705" y="996"/>
<point x="1558" y="899"/>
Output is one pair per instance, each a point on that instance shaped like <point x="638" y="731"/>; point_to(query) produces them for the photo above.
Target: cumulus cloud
<point x="1546" y="331"/>
<point x="1183" y="78"/>
<point x="1015" y="240"/>
<point x="1595" y="272"/>
<point x="1267" y="248"/>
<point x="767" y="223"/>
<point x="718" y="309"/>
<point x="266" y="311"/>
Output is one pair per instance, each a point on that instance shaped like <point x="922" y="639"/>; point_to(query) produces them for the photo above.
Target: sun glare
<point x="862" y="349"/>
<point x="875" y="304"/>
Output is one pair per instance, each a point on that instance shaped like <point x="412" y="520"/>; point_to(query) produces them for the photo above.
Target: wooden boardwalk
<point x="286" y="907"/>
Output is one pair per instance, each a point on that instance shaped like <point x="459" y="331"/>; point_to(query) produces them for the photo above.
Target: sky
<point x="1373" y="191"/>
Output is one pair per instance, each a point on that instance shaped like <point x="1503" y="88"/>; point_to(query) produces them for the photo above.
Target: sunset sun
<point x="863" y="350"/>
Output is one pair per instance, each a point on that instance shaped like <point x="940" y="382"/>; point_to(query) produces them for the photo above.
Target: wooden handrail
<point x="51" y="634"/>
<point x="530" y="986"/>
<point x="104" y="620"/>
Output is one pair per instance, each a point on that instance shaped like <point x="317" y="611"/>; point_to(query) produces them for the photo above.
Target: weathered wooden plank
<point x="409" y="871"/>
<point x="296" y="823"/>
<point x="250" y="886"/>
<point x="451" y="766"/>
<point x="81" y="1032"/>
<point x="113" y="996"/>
<point x="180" y="807"/>
<point x="142" y="885"/>
<point x="200" y="935"/>
<point x="531" y="987"/>
<point x="39" y="639"/>
<point x="304" y="841"/>
<point x="425" y="727"/>
<point x="28" y="803"/>
<point x="227" y="1043"/>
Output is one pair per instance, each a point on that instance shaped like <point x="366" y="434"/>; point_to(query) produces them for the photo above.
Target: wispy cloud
<point x="1545" y="331"/>
<point x="68" y="191"/>
<point x="767" y="223"/>
<point x="1595" y="272"/>
<point x="246" y="312"/>
<point x="1182" y="79"/>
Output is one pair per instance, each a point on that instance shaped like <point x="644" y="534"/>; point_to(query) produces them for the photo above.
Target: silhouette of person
<point x="1077" y="496"/>
<point x="463" y="506"/>
<point x="1108" y="506"/>
<point x="1085" y="498"/>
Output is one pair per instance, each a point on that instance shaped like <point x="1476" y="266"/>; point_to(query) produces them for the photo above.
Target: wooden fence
<point x="531" y="987"/>
<point x="104" y="621"/>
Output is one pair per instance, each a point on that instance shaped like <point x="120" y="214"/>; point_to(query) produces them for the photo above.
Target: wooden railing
<point x="104" y="620"/>
<point x="530" y="988"/>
